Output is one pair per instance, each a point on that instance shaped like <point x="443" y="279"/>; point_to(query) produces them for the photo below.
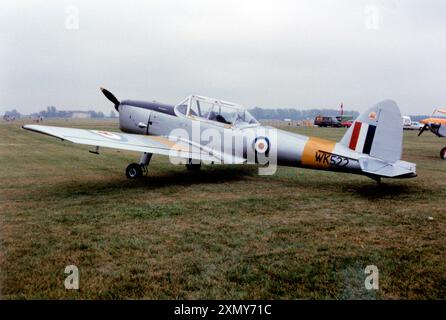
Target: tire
<point x="133" y="171"/>
<point x="443" y="153"/>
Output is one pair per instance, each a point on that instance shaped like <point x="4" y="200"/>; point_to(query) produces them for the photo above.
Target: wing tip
<point x="31" y="126"/>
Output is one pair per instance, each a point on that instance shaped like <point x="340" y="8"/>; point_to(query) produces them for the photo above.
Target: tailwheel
<point x="193" y="166"/>
<point x="443" y="153"/>
<point x="134" y="171"/>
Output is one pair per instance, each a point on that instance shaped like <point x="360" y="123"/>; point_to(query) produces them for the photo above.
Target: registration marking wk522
<point x="332" y="159"/>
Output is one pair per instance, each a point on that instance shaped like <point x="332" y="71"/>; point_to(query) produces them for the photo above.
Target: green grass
<point x="222" y="233"/>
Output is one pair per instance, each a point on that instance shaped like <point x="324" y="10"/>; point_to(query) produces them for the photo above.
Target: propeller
<point x="110" y="96"/>
<point x="426" y="126"/>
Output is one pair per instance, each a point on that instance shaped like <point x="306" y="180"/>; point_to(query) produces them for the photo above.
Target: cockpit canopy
<point x="217" y="111"/>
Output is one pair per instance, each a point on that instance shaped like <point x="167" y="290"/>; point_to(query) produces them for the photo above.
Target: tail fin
<point x="377" y="132"/>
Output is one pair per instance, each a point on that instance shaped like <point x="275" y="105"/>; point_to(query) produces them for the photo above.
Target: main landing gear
<point x="136" y="170"/>
<point x="443" y="153"/>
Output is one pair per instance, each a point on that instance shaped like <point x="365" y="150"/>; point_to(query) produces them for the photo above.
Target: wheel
<point x="133" y="171"/>
<point x="193" y="166"/>
<point x="443" y="153"/>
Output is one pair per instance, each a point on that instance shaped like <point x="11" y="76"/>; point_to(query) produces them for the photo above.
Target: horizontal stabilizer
<point x="382" y="168"/>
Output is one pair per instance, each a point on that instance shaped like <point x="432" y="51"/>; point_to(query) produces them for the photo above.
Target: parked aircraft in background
<point x="437" y="126"/>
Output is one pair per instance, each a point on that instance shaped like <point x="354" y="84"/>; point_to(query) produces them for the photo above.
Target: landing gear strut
<point x="136" y="170"/>
<point x="443" y="153"/>
<point x="191" y="166"/>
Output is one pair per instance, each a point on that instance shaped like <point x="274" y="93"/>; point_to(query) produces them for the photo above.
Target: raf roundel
<point x="261" y="145"/>
<point x="107" y="134"/>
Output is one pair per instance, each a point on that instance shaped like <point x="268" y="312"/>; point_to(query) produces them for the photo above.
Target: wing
<point x="169" y="146"/>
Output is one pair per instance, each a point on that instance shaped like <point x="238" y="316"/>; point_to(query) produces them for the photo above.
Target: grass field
<point x="222" y="233"/>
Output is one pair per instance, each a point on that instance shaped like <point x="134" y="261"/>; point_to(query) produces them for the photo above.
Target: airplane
<point x="437" y="126"/>
<point x="372" y="146"/>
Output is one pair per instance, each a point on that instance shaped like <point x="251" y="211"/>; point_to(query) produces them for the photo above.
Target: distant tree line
<point x="294" y="114"/>
<point x="52" y="112"/>
<point x="257" y="112"/>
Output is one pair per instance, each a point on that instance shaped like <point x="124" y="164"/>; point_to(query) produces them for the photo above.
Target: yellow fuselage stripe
<point x="313" y="147"/>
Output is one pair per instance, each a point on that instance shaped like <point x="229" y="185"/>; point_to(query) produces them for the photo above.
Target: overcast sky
<point x="302" y="54"/>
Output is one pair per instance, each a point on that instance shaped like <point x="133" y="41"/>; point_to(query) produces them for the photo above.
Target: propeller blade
<point x="426" y="126"/>
<point x="110" y="96"/>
